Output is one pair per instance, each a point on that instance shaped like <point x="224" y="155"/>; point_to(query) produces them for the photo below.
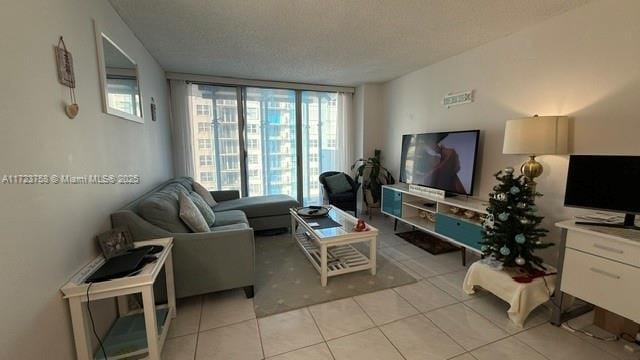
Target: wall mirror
<point x="120" y="80"/>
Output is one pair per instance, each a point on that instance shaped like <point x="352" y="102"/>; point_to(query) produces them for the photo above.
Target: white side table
<point x="523" y="297"/>
<point x="155" y="334"/>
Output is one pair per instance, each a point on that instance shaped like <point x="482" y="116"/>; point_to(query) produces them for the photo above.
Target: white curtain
<point x="182" y="128"/>
<point x="346" y="133"/>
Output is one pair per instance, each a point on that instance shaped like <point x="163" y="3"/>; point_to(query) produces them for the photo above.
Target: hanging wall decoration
<point x="66" y="76"/>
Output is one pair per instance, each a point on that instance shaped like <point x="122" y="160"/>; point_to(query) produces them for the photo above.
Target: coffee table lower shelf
<point x="341" y="259"/>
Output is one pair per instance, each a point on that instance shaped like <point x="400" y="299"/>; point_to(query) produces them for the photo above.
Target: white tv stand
<point x="403" y="204"/>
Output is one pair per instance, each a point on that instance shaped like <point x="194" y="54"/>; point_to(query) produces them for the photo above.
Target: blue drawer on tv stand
<point x="459" y="230"/>
<point x="392" y="202"/>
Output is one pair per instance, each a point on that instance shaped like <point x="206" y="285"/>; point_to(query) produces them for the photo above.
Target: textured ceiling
<point x="338" y="42"/>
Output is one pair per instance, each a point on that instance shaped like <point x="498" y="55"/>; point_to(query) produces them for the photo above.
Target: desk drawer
<point x="602" y="246"/>
<point x="608" y="284"/>
<point x="459" y="230"/>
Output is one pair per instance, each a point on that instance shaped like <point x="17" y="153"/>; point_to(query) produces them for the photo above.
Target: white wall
<point x="584" y="63"/>
<point x="369" y="114"/>
<point x="47" y="231"/>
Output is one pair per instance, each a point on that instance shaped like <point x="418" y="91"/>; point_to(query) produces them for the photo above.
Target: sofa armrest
<point x="213" y="261"/>
<point x="225" y="195"/>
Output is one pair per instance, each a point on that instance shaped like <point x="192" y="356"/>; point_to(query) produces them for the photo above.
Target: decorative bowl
<point x="469" y="214"/>
<point x="454" y="210"/>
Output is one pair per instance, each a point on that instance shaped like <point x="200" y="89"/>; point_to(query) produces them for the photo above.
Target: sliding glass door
<point x="215" y="129"/>
<point x="270" y="118"/>
<point x="263" y="141"/>
<point x="319" y="140"/>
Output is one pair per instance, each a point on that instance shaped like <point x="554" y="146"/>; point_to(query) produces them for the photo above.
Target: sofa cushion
<point x="338" y="183"/>
<point x="230" y="217"/>
<point x="190" y="214"/>
<point x="258" y="206"/>
<point x="240" y="226"/>
<point x="162" y="210"/>
<point x="342" y="197"/>
<point x="186" y="182"/>
<point x="205" y="209"/>
<point x="206" y="195"/>
<point x="173" y="190"/>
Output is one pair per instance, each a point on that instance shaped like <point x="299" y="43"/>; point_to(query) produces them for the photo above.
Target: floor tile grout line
<point x="229" y="324"/>
<point x="264" y="355"/>
<point x="195" y="351"/>
<point x="326" y="342"/>
<point x="376" y="326"/>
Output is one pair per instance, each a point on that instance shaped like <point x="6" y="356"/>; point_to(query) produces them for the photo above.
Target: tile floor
<point x="431" y="319"/>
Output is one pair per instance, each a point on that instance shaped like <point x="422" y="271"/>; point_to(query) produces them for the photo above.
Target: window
<point x="206" y="160"/>
<point x="206" y="176"/>
<point x="218" y="137"/>
<point x="252" y="113"/>
<point x="203" y="110"/>
<point x="320" y="126"/>
<point x="252" y="143"/>
<point x="272" y="151"/>
<point x="253" y="159"/>
<point x="277" y="121"/>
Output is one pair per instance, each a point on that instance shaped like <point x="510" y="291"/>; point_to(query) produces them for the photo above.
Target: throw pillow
<point x="206" y="195"/>
<point x="205" y="210"/>
<point x="338" y="183"/>
<point x="190" y="214"/>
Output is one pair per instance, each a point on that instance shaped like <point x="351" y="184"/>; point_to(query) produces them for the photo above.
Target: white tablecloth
<point x="523" y="297"/>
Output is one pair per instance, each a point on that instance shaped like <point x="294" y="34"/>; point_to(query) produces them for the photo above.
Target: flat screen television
<point x="605" y="182"/>
<point x="440" y="160"/>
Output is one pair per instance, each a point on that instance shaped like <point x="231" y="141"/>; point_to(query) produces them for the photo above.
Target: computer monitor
<point x="605" y="182"/>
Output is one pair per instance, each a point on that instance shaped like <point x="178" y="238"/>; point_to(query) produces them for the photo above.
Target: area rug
<point x="286" y="280"/>
<point x="428" y="242"/>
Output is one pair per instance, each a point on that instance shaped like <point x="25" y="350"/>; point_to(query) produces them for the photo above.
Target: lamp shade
<point x="537" y="135"/>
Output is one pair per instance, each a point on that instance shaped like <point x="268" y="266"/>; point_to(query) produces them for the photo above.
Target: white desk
<point x="76" y="292"/>
<point x="600" y="266"/>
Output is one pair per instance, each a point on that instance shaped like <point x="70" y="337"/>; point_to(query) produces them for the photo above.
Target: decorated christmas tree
<point x="511" y="230"/>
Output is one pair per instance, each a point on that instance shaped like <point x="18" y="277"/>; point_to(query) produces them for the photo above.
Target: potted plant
<point x="372" y="175"/>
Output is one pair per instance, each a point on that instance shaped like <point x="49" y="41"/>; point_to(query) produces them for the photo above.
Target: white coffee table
<point x="329" y="249"/>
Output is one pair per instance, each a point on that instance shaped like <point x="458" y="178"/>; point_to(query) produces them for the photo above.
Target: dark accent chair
<point x="347" y="200"/>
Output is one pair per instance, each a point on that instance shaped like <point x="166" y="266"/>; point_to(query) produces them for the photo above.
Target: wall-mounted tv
<point x="440" y="160"/>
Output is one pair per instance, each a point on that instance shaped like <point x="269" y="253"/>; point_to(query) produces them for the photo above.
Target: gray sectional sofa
<point x="220" y="259"/>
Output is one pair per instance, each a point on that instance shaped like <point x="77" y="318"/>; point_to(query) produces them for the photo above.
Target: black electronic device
<point x="605" y="182"/>
<point x="153" y="249"/>
<point x="119" y="266"/>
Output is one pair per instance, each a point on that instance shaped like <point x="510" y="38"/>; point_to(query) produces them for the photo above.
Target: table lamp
<point x="533" y="136"/>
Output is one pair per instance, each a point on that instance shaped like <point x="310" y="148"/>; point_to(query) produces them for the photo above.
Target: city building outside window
<point x="203" y="110"/>
<point x="206" y="160"/>
<point x="206" y="176"/>
<point x="204" y="143"/>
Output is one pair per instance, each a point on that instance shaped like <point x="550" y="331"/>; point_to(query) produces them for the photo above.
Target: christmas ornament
<point x="484" y="248"/>
<point x="521" y="205"/>
<point x="501" y="197"/>
<point x="520" y="260"/>
<point x="508" y="170"/>
<point x="524" y="221"/>
<point x="514" y="190"/>
<point x="503" y="216"/>
<point x="520" y="239"/>
<point x="505" y="251"/>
